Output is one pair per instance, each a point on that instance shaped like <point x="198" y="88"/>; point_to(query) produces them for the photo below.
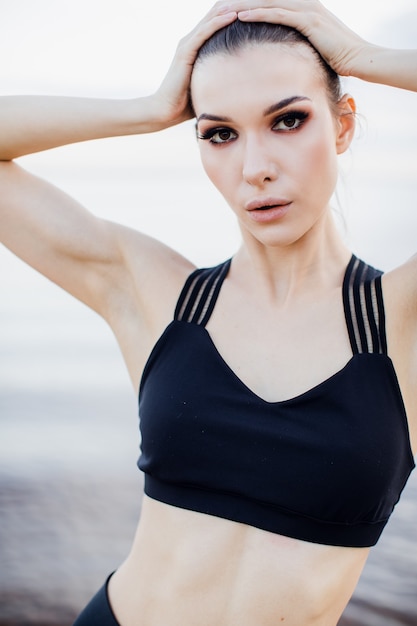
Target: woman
<point x="273" y="406"/>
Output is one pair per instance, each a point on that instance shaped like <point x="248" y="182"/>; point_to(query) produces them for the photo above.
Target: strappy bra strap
<point x="199" y="294"/>
<point x="364" y="308"/>
<point x="362" y="300"/>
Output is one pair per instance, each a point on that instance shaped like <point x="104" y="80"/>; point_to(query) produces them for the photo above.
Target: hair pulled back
<point x="239" y="35"/>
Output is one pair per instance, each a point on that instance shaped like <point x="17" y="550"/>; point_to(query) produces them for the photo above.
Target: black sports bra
<point x="327" y="466"/>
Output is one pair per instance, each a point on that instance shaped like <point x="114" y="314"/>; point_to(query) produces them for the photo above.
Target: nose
<point x="259" y="167"/>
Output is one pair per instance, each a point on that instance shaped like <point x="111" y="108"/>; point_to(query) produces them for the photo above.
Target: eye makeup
<point x="287" y="122"/>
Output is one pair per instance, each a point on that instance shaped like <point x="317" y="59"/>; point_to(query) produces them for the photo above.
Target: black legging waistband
<point x="98" y="611"/>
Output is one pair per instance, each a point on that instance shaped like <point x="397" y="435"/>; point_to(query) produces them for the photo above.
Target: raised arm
<point x="34" y="123"/>
<point x="109" y="267"/>
<point x="346" y="52"/>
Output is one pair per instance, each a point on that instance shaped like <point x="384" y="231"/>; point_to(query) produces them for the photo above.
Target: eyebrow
<point x="282" y="104"/>
<point x="274" y="108"/>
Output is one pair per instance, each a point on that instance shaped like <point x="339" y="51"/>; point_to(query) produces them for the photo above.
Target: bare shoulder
<point x="143" y="288"/>
<point x="150" y="278"/>
<point x="400" y="299"/>
<point x="400" y="292"/>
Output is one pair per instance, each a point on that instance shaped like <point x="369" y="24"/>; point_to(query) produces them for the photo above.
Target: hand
<point x="172" y="97"/>
<point x="337" y="44"/>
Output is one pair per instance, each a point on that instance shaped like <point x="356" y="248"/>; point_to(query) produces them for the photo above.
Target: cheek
<point x="218" y="170"/>
<point x="318" y="159"/>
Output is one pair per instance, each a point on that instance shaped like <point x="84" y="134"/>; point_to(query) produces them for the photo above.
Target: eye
<point x="218" y="135"/>
<point x="290" y="121"/>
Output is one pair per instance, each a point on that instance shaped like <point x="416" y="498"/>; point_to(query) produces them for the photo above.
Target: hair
<point x="239" y="35"/>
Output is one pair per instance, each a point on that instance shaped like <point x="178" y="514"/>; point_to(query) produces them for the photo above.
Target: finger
<point x="212" y="23"/>
<point x="299" y="21"/>
<point x="218" y="10"/>
<point x="289" y="5"/>
<point x="191" y="43"/>
<point x="299" y="14"/>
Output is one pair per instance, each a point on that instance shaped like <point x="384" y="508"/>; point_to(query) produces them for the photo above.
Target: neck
<point x="314" y="263"/>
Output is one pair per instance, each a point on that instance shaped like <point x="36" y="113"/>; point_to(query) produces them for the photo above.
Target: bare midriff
<point x="190" y="569"/>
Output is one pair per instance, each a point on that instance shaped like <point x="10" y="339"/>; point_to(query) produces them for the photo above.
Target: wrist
<point x="149" y="114"/>
<point x="365" y="61"/>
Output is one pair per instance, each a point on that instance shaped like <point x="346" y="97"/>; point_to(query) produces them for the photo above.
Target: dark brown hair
<point x="238" y="35"/>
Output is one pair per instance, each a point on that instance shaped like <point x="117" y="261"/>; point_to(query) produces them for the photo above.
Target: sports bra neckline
<point x="210" y="294"/>
<point x="297" y="397"/>
<point x="201" y="291"/>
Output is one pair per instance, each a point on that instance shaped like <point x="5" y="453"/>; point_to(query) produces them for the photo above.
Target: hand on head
<point x="337" y="44"/>
<point x="173" y="94"/>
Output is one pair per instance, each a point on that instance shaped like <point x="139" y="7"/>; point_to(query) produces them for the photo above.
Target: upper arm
<point x="54" y="234"/>
<point x="101" y="263"/>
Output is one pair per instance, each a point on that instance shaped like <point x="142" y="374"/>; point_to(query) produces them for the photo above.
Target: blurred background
<point x="69" y="488"/>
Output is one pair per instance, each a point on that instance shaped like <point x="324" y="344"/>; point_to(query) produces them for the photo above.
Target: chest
<point x="279" y="354"/>
<point x="332" y="453"/>
<point x="327" y="460"/>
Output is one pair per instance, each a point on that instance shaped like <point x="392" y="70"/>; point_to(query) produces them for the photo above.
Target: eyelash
<point x="300" y="116"/>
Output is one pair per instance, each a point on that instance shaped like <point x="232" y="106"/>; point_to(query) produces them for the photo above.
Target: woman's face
<point x="268" y="138"/>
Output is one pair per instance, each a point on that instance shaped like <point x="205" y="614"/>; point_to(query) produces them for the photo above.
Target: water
<point x="69" y="488"/>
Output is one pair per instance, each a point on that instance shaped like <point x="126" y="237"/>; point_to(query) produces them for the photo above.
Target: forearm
<point x="34" y="123"/>
<point x="397" y="68"/>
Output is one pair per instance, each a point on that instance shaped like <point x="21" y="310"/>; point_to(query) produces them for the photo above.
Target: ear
<point x="345" y="123"/>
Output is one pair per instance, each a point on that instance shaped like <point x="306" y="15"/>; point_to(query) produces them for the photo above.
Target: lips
<point x="265" y="204"/>
<point x="268" y="210"/>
